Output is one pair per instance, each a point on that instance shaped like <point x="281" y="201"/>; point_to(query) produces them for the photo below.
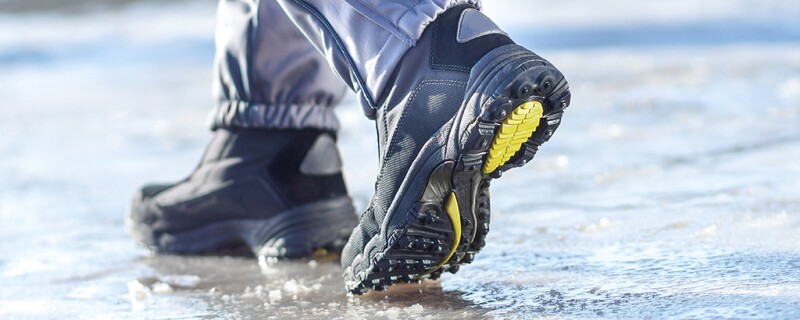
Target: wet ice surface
<point x="671" y="189"/>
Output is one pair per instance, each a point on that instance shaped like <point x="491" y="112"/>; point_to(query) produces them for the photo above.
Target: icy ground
<point x="671" y="190"/>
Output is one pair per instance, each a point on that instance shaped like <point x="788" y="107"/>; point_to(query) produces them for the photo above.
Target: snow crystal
<point x="274" y="296"/>
<point x="391" y="313"/>
<point x="181" y="281"/>
<point x="415" y="309"/>
<point x="291" y="286"/>
<point x="138" y="293"/>
<point x="294" y="287"/>
<point x="160" y="287"/>
<point x="267" y="264"/>
<point x="248" y="293"/>
<point x="215" y="292"/>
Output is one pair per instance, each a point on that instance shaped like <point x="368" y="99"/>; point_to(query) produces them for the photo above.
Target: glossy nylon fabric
<point x="363" y="40"/>
<point x="267" y="74"/>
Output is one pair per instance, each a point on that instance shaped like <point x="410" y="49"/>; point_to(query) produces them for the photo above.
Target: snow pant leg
<point x="363" y="40"/>
<point x="267" y="74"/>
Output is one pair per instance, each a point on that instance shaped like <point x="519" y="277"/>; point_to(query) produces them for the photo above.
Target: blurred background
<point x="670" y="190"/>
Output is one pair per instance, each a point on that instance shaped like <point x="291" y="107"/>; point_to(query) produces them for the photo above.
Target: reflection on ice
<point x="181" y="281"/>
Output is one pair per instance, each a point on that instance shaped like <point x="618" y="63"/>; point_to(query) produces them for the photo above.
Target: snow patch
<point x="138" y="294"/>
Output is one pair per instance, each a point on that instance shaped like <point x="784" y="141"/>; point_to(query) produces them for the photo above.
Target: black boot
<point x="463" y="106"/>
<point x="278" y="192"/>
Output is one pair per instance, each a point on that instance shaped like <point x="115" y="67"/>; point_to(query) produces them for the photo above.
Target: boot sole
<point x="296" y="233"/>
<point x="449" y="223"/>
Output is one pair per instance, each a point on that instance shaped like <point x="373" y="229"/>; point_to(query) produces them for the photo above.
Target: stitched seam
<point x="460" y="23"/>
<point x="410" y="101"/>
<point x="399" y="19"/>
<point x="385" y="43"/>
<point x="385" y="129"/>
<point x="229" y="102"/>
<point x="403" y="15"/>
<point x="432" y="56"/>
<point x="394" y="30"/>
<point x="242" y="113"/>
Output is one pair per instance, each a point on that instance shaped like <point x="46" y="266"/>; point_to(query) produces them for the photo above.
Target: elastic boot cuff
<point x="247" y="115"/>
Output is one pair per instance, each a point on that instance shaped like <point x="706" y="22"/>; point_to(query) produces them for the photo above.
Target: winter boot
<point x="279" y="193"/>
<point x="464" y="105"/>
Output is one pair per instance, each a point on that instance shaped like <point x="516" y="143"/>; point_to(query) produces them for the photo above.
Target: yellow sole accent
<point x="451" y="207"/>
<point x="514" y="131"/>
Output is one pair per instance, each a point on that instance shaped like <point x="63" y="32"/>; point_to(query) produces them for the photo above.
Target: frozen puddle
<point x="671" y="189"/>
